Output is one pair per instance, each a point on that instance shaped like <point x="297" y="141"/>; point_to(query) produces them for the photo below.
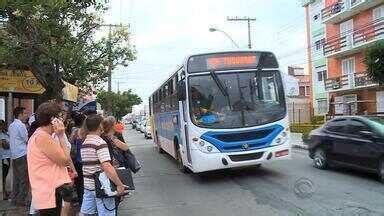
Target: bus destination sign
<point x="231" y="61"/>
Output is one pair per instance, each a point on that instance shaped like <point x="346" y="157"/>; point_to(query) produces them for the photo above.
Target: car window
<point x="337" y="126"/>
<point x="355" y="126"/>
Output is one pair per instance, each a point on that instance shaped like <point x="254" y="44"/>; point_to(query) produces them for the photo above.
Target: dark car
<point x="353" y="141"/>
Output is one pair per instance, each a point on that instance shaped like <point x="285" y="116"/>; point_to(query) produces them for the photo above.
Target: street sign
<point x="70" y="92"/>
<point x="19" y="81"/>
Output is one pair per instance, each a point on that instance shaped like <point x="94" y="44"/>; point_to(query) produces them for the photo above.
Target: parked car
<point x="134" y="124"/>
<point x="138" y="125"/>
<point x="353" y="141"/>
<point x="148" y="130"/>
<point x="141" y="125"/>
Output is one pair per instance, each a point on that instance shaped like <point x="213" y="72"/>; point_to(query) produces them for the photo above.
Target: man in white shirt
<point x="18" y="138"/>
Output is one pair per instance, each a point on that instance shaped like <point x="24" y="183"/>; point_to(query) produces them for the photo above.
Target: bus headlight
<point x="209" y="148"/>
<point x="206" y="147"/>
<point x="201" y="143"/>
<point x="281" y="138"/>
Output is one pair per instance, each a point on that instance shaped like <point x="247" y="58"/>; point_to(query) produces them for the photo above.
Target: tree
<point x="374" y="59"/>
<point x="122" y="103"/>
<point x="56" y="40"/>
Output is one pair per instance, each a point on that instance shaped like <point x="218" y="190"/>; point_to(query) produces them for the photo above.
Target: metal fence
<point x="299" y="112"/>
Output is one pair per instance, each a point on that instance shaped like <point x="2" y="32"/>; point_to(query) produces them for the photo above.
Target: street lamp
<point x="227" y="35"/>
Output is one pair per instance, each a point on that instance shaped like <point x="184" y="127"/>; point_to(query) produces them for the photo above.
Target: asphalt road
<point x="161" y="190"/>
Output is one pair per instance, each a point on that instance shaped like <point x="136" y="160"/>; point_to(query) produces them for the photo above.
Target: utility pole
<point x="110" y="26"/>
<point x="248" y="20"/>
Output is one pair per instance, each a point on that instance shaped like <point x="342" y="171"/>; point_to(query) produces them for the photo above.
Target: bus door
<point x="183" y="108"/>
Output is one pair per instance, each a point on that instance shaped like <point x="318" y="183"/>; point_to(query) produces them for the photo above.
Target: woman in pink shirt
<point x="47" y="161"/>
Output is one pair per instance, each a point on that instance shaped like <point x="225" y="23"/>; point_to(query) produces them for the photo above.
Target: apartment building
<point x="351" y="26"/>
<point x="317" y="66"/>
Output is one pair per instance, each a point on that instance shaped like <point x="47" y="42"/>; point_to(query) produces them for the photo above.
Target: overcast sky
<point x="166" y="31"/>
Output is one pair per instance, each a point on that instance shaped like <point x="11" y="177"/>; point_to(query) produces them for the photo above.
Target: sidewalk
<point x="6" y="209"/>
<point x="297" y="141"/>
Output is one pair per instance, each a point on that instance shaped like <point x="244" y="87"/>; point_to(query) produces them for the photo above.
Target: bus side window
<point x="171" y="87"/>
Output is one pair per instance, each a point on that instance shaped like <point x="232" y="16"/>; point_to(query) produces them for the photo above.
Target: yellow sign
<point x="70" y="92"/>
<point x="19" y="81"/>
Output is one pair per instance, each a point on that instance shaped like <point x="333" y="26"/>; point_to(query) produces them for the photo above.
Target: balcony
<point x="349" y="82"/>
<point x="352" y="42"/>
<point x="344" y="9"/>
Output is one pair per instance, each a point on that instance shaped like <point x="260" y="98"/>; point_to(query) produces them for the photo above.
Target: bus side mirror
<point x="181" y="92"/>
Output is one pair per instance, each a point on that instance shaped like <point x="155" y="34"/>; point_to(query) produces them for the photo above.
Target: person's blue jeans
<point x="92" y="205"/>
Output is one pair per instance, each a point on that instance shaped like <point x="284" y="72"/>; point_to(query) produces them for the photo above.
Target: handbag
<point x="131" y="162"/>
<point x="105" y="188"/>
<point x="68" y="193"/>
<point x="125" y="158"/>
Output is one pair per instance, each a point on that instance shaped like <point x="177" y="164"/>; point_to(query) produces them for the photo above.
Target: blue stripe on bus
<point x="166" y="127"/>
<point x="262" y="138"/>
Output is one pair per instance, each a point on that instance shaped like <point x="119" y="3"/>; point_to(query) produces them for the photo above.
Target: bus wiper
<point x="221" y="87"/>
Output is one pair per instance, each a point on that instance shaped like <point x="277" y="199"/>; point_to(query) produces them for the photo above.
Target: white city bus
<point x="222" y="110"/>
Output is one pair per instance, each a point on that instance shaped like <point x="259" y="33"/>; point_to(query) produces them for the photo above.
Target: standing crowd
<point x="55" y="156"/>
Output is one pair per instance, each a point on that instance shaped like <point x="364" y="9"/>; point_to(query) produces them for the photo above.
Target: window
<point x="336" y="126"/>
<point x="165" y="90"/>
<point x="319" y="44"/>
<point x="322" y="75"/>
<point x="356" y="126"/>
<point x="175" y="79"/>
<point x="348" y="66"/>
<point x="301" y="90"/>
<point x="170" y="84"/>
<point x="378" y="14"/>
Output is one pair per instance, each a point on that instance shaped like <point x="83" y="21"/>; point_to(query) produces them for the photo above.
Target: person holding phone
<point x="47" y="161"/>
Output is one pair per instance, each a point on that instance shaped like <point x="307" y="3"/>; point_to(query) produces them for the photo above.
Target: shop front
<point x="369" y="101"/>
<point x="18" y="87"/>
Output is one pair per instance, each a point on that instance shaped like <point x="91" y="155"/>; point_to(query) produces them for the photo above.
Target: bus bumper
<point x="202" y="162"/>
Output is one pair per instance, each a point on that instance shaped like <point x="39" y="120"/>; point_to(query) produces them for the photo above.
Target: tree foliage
<point x="121" y="103"/>
<point x="57" y="40"/>
<point x="374" y="59"/>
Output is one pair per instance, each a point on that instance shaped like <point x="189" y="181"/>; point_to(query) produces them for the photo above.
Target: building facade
<point x="300" y="104"/>
<point x="317" y="64"/>
<point x="304" y="83"/>
<point x="350" y="27"/>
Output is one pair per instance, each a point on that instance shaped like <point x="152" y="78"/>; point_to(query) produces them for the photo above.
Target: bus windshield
<point x="236" y="99"/>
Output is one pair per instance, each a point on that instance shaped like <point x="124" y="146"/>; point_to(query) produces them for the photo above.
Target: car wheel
<point x="180" y="164"/>
<point x="381" y="170"/>
<point x="320" y="159"/>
